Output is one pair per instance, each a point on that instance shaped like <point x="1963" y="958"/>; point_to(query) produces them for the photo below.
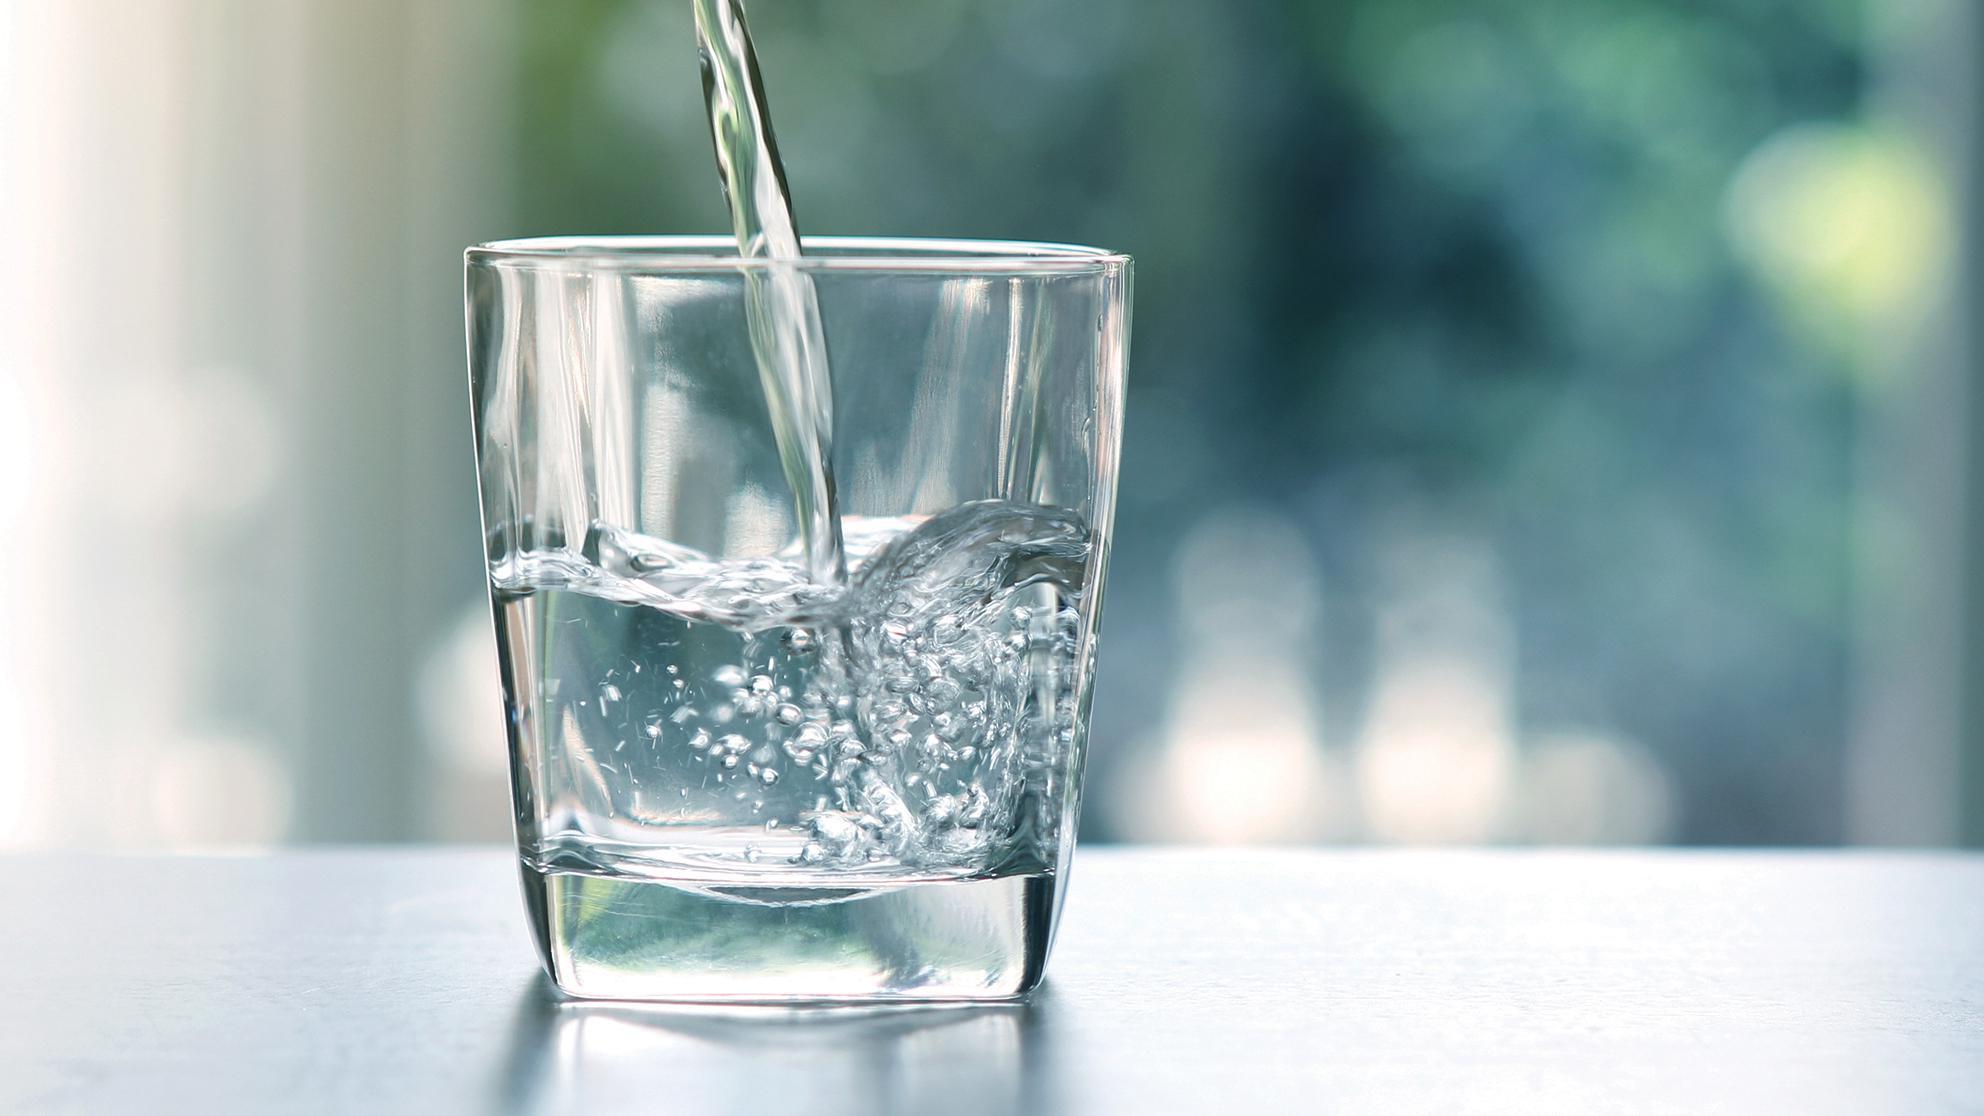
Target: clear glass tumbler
<point x="738" y="773"/>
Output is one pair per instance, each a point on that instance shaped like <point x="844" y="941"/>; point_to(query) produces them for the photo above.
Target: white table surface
<point x="383" y="980"/>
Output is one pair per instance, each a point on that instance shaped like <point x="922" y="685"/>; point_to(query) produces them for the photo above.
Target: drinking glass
<point x="739" y="774"/>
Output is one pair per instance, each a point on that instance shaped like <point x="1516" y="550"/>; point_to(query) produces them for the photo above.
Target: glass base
<point x="791" y="942"/>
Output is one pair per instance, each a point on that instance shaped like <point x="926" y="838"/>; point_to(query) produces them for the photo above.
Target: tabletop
<point x="402" y="980"/>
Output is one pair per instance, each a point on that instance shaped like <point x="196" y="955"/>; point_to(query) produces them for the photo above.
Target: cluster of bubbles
<point x="910" y="717"/>
<point x="919" y="711"/>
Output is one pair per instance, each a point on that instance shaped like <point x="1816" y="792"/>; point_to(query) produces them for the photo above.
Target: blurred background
<point x="1550" y="421"/>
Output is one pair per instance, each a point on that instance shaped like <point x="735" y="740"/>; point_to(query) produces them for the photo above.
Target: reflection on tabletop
<point x="568" y="1055"/>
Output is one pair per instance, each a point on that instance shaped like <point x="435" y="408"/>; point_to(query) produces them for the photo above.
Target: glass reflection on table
<point x="569" y="1056"/>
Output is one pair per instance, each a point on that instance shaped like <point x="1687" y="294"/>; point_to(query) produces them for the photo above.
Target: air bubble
<point x="788" y="714"/>
<point x="728" y="675"/>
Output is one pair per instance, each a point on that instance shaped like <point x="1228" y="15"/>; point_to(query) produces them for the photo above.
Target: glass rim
<point x="826" y="253"/>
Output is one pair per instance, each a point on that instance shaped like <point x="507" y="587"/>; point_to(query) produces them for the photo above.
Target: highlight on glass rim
<point x="1502" y="637"/>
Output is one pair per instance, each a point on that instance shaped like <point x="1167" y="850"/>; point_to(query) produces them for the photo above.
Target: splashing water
<point x="734" y="715"/>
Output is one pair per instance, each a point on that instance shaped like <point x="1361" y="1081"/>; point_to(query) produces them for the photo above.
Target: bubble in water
<point x="728" y="675"/>
<point x="788" y="714"/>
<point x="768" y="776"/>
<point x="975" y="805"/>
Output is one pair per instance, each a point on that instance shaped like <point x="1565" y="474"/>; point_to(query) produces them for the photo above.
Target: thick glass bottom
<point x="792" y="941"/>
